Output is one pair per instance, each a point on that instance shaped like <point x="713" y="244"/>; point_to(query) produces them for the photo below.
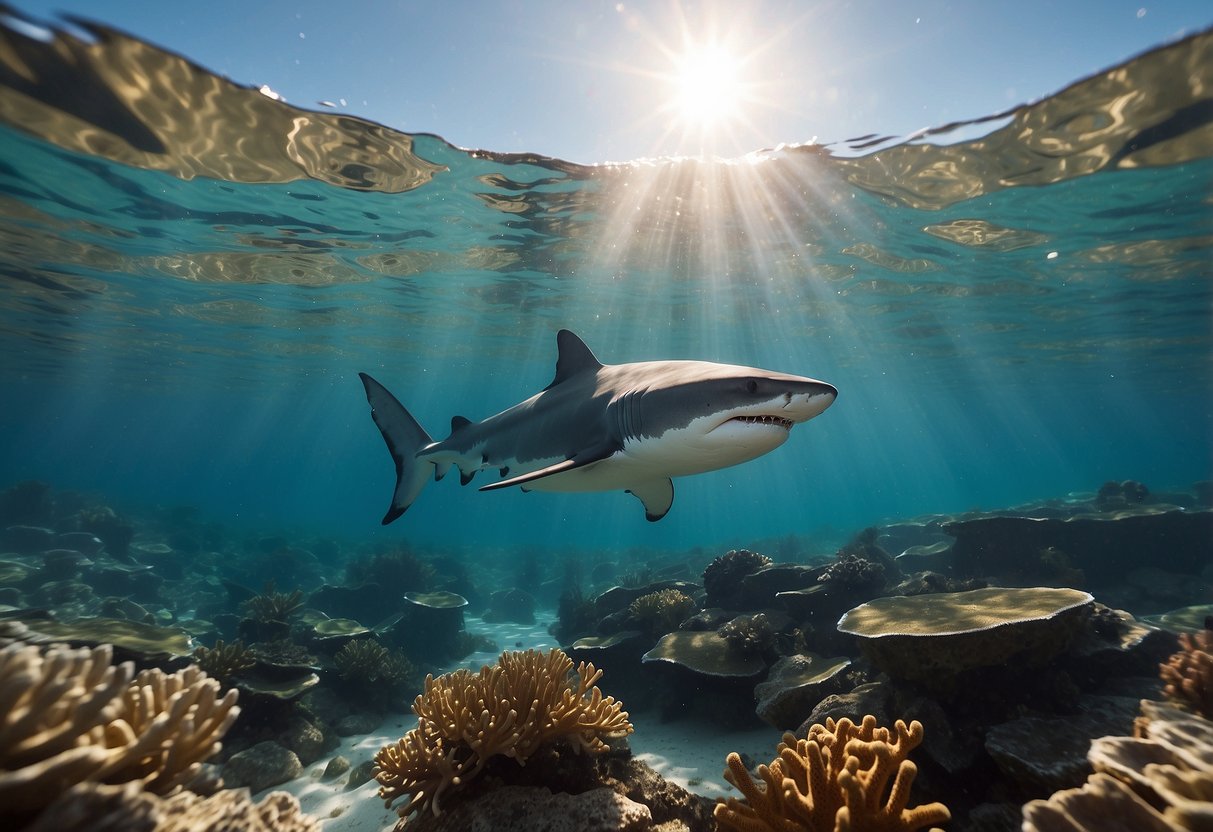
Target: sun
<point x="709" y="86"/>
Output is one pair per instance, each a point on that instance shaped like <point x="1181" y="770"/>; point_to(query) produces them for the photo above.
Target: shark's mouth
<point x="778" y="421"/>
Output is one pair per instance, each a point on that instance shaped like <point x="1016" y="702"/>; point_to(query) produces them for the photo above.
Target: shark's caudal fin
<point x="404" y="437"/>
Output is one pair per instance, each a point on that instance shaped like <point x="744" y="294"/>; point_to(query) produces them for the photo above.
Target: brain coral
<point x="835" y="779"/>
<point x="507" y="709"/>
<point x="69" y="716"/>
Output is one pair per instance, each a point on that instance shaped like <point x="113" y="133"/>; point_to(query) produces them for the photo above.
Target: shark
<point x="605" y="427"/>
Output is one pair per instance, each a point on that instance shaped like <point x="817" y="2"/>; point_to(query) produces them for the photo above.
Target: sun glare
<point x="709" y="86"/>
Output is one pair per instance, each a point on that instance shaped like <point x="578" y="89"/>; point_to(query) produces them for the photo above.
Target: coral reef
<point x="224" y="661"/>
<point x="399" y="568"/>
<point x="854" y="571"/>
<point x="508" y="709"/>
<point x="723" y="575"/>
<point x="377" y="672"/>
<point x="1158" y="781"/>
<point x="835" y="779"/>
<point x="271" y="605"/>
<point x="749" y="634"/>
<point x="70" y="716"/>
<point x="1188" y="674"/>
<point x="661" y="612"/>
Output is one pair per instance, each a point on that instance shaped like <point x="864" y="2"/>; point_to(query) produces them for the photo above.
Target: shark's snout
<point x="812" y="400"/>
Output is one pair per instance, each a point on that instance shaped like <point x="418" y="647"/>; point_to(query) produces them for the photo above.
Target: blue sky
<point x="597" y="81"/>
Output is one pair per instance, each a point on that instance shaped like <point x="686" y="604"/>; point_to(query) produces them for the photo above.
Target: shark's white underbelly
<point x="645" y="461"/>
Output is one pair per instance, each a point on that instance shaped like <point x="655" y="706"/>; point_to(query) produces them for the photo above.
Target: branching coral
<point x="367" y="664"/>
<point x="508" y="709"/>
<point x="1188" y="674"/>
<point x="836" y="779"/>
<point x="661" y="612"/>
<point x="749" y="634"/>
<point x="853" y="571"/>
<point x="224" y="661"/>
<point x="70" y="717"/>
<point x="722" y="577"/>
<point x="274" y="606"/>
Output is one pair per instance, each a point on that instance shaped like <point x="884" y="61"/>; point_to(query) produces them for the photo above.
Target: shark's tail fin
<point x="404" y="437"/>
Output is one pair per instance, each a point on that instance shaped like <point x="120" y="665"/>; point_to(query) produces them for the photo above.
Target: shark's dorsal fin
<point x="573" y="357"/>
<point x="458" y="422"/>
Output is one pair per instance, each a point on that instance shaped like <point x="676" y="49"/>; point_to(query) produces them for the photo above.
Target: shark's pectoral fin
<point x="657" y="497"/>
<point x="580" y="461"/>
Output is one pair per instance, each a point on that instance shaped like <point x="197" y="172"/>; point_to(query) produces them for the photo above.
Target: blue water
<point x="1007" y="319"/>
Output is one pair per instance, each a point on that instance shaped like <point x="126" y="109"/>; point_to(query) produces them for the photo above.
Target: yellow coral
<point x="835" y="779"/>
<point x="508" y="709"/>
<point x="69" y="716"/>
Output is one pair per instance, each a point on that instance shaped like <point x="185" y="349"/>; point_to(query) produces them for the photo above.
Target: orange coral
<point x="507" y="709"/>
<point x="1189" y="673"/>
<point x="835" y="779"/>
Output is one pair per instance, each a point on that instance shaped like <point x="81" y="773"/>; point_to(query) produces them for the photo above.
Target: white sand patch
<point x="692" y="754"/>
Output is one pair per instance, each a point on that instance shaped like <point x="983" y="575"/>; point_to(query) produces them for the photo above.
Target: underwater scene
<point x="353" y="480"/>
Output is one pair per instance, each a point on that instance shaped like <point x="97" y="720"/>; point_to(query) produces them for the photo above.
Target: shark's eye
<point x="751" y="386"/>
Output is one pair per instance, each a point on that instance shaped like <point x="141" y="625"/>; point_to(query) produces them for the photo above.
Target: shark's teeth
<point x="786" y="424"/>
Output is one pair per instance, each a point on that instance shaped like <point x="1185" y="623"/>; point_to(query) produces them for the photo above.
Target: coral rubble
<point x="509" y="709"/>
<point x="838" y="778"/>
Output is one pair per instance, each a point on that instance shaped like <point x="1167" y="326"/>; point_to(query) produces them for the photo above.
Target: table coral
<point x="508" y="709"/>
<point x="70" y="716"/>
<point x="835" y="779"/>
<point x="1188" y="673"/>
